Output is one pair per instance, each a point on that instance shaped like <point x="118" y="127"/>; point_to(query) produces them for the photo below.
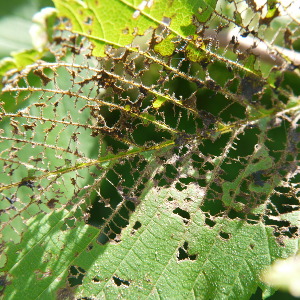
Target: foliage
<point x="15" y="23"/>
<point x="152" y="152"/>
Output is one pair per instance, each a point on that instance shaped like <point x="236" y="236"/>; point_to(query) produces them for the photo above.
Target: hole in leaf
<point x="232" y="214"/>
<point x="76" y="275"/>
<point x="225" y="235"/>
<point x="186" y="180"/>
<point x="183" y="253"/>
<point x="98" y="212"/>
<point x="137" y="225"/>
<point x="96" y="280"/>
<point x="180" y="187"/>
<point x="89" y="247"/>
<point x="118" y="281"/>
<point x="284" y="202"/>
<point x="182" y="213"/>
<point x="163" y="183"/>
<point x="209" y="222"/>
<point x="212" y="205"/>
<point x="171" y="171"/>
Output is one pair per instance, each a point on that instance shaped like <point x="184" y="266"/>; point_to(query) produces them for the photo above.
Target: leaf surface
<point x="147" y="158"/>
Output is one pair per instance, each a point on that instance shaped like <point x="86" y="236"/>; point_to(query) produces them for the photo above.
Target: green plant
<point x="151" y="152"/>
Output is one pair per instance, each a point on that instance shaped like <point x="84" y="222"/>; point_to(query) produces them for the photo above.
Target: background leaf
<point x="15" y="22"/>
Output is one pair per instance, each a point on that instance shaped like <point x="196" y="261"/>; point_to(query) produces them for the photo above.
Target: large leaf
<point x="153" y="154"/>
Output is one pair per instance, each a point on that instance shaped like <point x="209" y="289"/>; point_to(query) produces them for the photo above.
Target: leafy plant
<point x="151" y="152"/>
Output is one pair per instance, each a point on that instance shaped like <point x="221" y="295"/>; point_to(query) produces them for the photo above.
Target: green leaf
<point x="19" y="60"/>
<point x="166" y="47"/>
<point x="94" y="19"/>
<point x="151" y="155"/>
<point x="42" y="256"/>
<point x="159" y="102"/>
<point x="197" y="260"/>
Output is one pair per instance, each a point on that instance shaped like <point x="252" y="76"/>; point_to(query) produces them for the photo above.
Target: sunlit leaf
<point x="152" y="153"/>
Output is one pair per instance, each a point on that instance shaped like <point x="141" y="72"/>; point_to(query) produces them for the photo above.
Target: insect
<point x="25" y="182"/>
<point x="28" y="183"/>
<point x="11" y="201"/>
<point x="245" y="34"/>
